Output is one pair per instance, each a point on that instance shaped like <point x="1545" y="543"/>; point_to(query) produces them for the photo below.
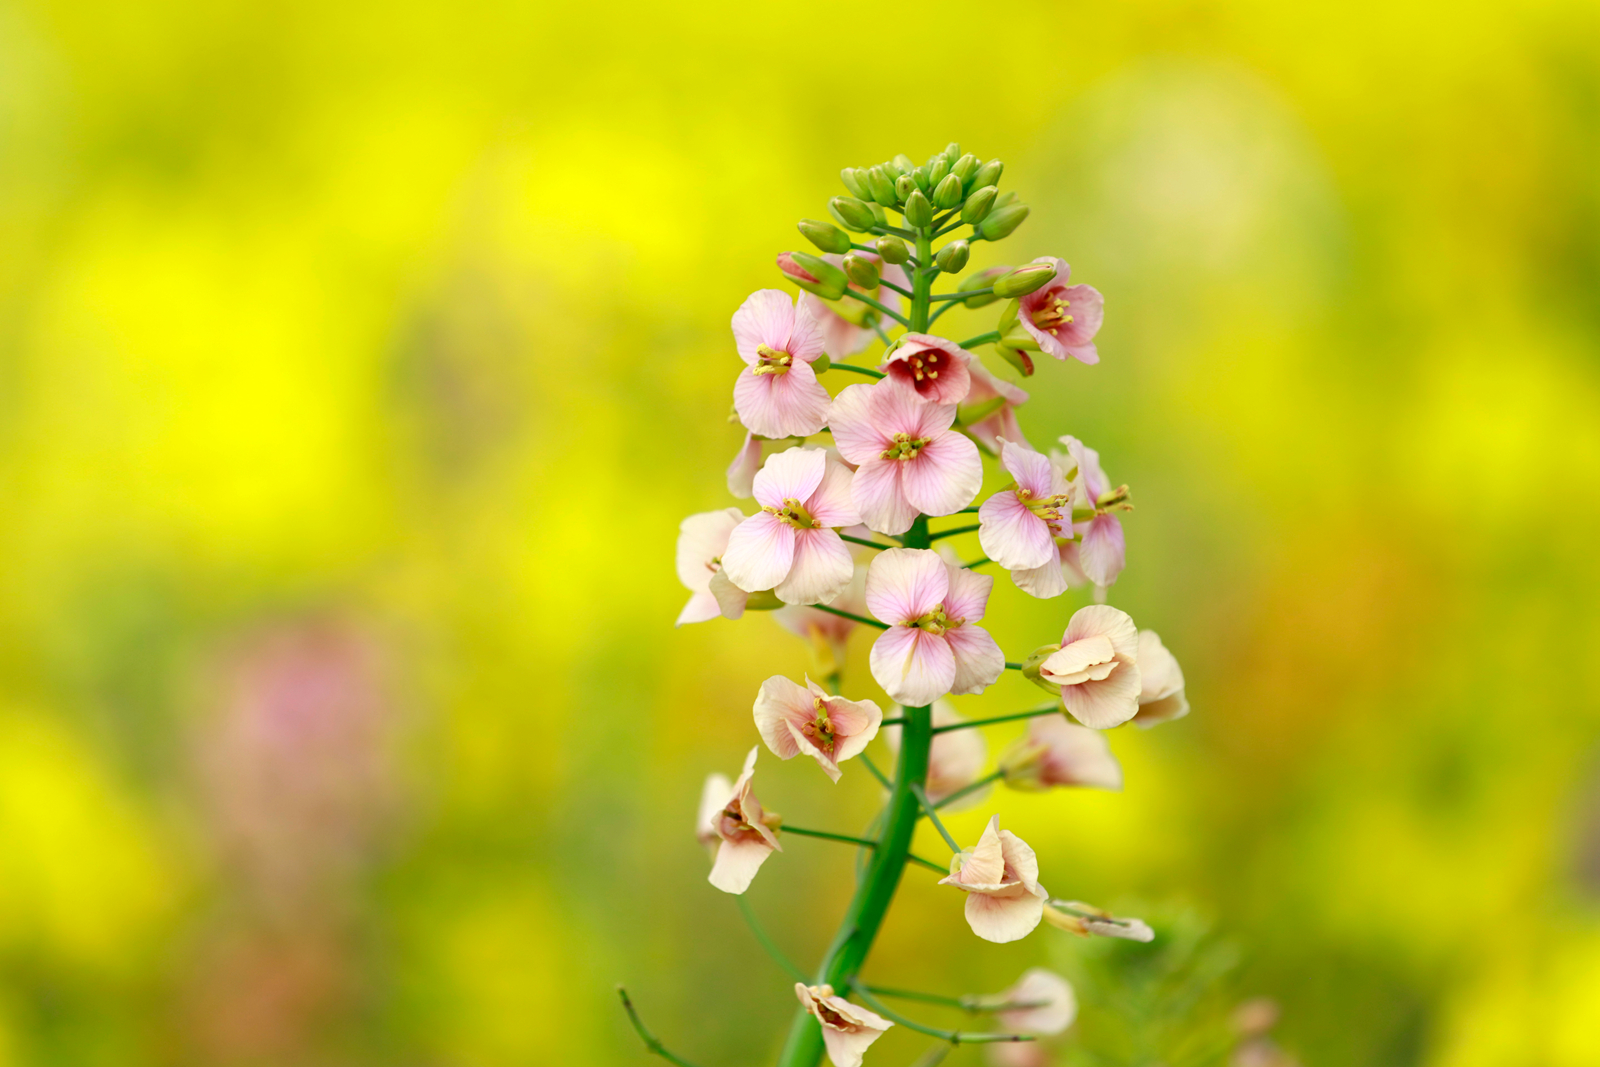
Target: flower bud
<point x="978" y="204"/>
<point x="952" y="258"/>
<point x="988" y="174"/>
<point x="824" y="235"/>
<point x="862" y="271"/>
<point x="1005" y="199"/>
<point x="965" y="168"/>
<point x="903" y="164"/>
<point x="813" y="274"/>
<point x="952" y="152"/>
<point x="982" y="280"/>
<point x="891" y="170"/>
<point x="1008" y="318"/>
<point x="947" y="194"/>
<point x="854" y="182"/>
<point x="938" y="167"/>
<point x="852" y="213"/>
<point x="1025" y="279"/>
<point x="1002" y="221"/>
<point x="892" y="249"/>
<point x="1030" y="667"/>
<point x="1017" y="358"/>
<point x="904" y="186"/>
<point x="920" y="176"/>
<point x="1023" y="765"/>
<point x="882" y="186"/>
<point x="918" y="211"/>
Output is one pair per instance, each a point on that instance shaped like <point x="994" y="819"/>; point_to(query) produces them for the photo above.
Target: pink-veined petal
<point x="876" y="491"/>
<point x="1055" y="1004"/>
<point x="737" y="863"/>
<point x="932" y="368"/>
<point x="714" y="796"/>
<point x="855" y="431"/>
<point x="793" y="473"/>
<point x="765" y="318"/>
<point x="945" y="476"/>
<point x="1076" y="657"/>
<point x="979" y="661"/>
<point x="968" y="596"/>
<point x="730" y="598"/>
<point x="913" y="666"/>
<point x="792" y="404"/>
<point x="742" y="471"/>
<point x="805" y="337"/>
<point x="1013" y="536"/>
<point x="821" y="570"/>
<point x="702" y="538"/>
<point x="1103" y="551"/>
<point x="759" y="553"/>
<point x="1107" y="702"/>
<point x="1115" y="624"/>
<point x="779" y="702"/>
<point x="1032" y="470"/>
<point x="1002" y="919"/>
<point x="702" y="607"/>
<point x="1043" y="582"/>
<point x="833" y="504"/>
<point x="904" y="584"/>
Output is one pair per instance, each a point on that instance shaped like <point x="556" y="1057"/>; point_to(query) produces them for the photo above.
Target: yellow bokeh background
<point x="411" y="323"/>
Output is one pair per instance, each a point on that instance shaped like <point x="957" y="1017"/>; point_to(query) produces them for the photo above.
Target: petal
<point x="1159" y="673"/>
<point x="896" y="410"/>
<point x="1109" y="702"/>
<point x="742" y="470"/>
<point x="1043" y="582"/>
<point x="1074" y="755"/>
<point x="793" y="404"/>
<point x="1088" y="312"/>
<point x="947" y="379"/>
<point x="702" y="607"/>
<point x="730" y="598"/>
<point x="913" y="666"/>
<point x="1032" y="470"/>
<point x="793" y="473"/>
<point x="1021" y="861"/>
<point x="840" y="337"/>
<point x="855" y="431"/>
<point x="765" y="318"/>
<point x="857" y="720"/>
<point x="737" y="863"/>
<point x="967" y="597"/>
<point x="1166" y="709"/>
<point x="986" y="863"/>
<point x="1103" y="619"/>
<point x="1103" y="551"/>
<point x="805" y="338"/>
<point x="879" y="499"/>
<point x="1058" y="1006"/>
<point x="1003" y="919"/>
<point x="945" y="476"/>
<point x="714" y="796"/>
<point x="1013" y="536"/>
<point x="702" y="538"/>
<point x="802" y="743"/>
<point x="780" y="702"/>
<point x="979" y="661"/>
<point x="821" y="570"/>
<point x="832" y="504"/>
<point x="760" y="551"/>
<point x="905" y="584"/>
<point x="1075" y="658"/>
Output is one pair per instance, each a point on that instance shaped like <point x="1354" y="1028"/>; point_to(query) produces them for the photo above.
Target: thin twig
<point x="933" y="816"/>
<point x="970" y="1004"/>
<point x="827" y="835"/>
<point x="868" y="371"/>
<point x="955" y="1037"/>
<point x="952" y="533"/>
<point x="863" y="541"/>
<point x="650" y="1040"/>
<point x="976" y="563"/>
<point x="901" y="319"/>
<point x="862" y="619"/>
<point x="969" y="789"/>
<point x="970" y="723"/>
<point x="767" y="943"/>
<point x="872" y="768"/>
<point x="896" y="288"/>
<point x="1009" y="665"/>
<point x="982" y="339"/>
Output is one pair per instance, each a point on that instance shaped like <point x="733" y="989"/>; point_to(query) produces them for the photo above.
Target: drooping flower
<point x="702" y="539"/>
<point x="830" y="729"/>
<point x="1161" y="696"/>
<point x="745" y="830"/>
<point x="1102" y="551"/>
<point x="1001" y="879"/>
<point x="1055" y="752"/>
<point x="847" y="1029"/>
<point x="955" y="759"/>
<point x="908" y="459"/>
<point x="989" y="411"/>
<point x="790" y="546"/>
<point x="846" y="324"/>
<point x="933" y="645"/>
<point x="1062" y="318"/>
<point x="1046" y="1002"/>
<point x="742" y="471"/>
<point x="827" y="633"/>
<point x="1018" y="527"/>
<point x="777" y="394"/>
<point x="931" y="367"/>
<point x="1097" y="667"/>
<point x="1086" y="920"/>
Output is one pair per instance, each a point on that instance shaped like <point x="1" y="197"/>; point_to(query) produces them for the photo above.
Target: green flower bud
<point x="1000" y="222"/>
<point x="822" y="363"/>
<point x="1020" y="360"/>
<point x="904" y="186"/>
<point x="918" y="211"/>
<point x="891" y="169"/>
<point x="952" y="258"/>
<point x="1025" y="279"/>
<point x="988" y="174"/>
<point x="882" y="186"/>
<point x="965" y="167"/>
<point x="892" y="249"/>
<point x="877" y="214"/>
<point x="1031" y="665"/>
<point x="854" y="181"/>
<point x="938" y="167"/>
<point x="853" y="214"/>
<point x="861" y="270"/>
<point x="920" y="176"/>
<point x="814" y="274"/>
<point x="978" y="205"/>
<point x="1005" y="199"/>
<point x="903" y="164"/>
<point x="981" y="280"/>
<point x="824" y="235"/>
<point x="947" y="194"/>
<point x="952" y="152"/>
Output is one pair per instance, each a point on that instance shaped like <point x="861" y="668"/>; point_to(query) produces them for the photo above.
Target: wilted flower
<point x="847" y="324"/>
<point x="1102" y="551"/>
<point x="955" y="759"/>
<point x="1055" y="752"/>
<point x="1050" y="1005"/>
<point x="830" y="729"/>
<point x="933" y="645"/>
<point x="777" y="394"/>
<point x="1161" y="696"/>
<point x="847" y="1029"/>
<point x="742" y="471"/>
<point x="1097" y="667"/>
<point x="1018" y="527"/>
<point x="909" y="460"/>
<point x="790" y="545"/>
<point x="931" y="367"/>
<point x="702" y="539"/>
<point x="745" y="831"/>
<point x="1086" y="920"/>
<point x="1062" y="318"/>
<point x="989" y="411"/>
<point x="1001" y="879"/>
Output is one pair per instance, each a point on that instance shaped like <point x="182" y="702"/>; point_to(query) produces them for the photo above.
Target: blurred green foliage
<point x="410" y="323"/>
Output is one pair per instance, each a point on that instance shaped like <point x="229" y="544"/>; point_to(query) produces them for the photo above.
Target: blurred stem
<point x="767" y="943"/>
<point x="650" y="1040"/>
<point x="955" y="1037"/>
<point x="993" y="776"/>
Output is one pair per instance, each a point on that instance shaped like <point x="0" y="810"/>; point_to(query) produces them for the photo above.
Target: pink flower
<point x="989" y="411"/>
<point x="908" y="460"/>
<point x="745" y="831"/>
<point x="1056" y="752"/>
<point x="830" y="729"/>
<point x="931" y="367"/>
<point x="1001" y="878"/>
<point x="1052" y="1003"/>
<point x="932" y="646"/>
<point x="777" y="394"/>
<point x="702" y="539"/>
<point x="1063" y="318"/>
<point x="713" y="798"/>
<point x="828" y="634"/>
<point x="1102" y="551"/>
<point x="1086" y="920"/>
<point x="742" y="471"/>
<point x="1097" y="667"/>
<point x="847" y="324"/>
<point x="1018" y="527"/>
<point x="1161" y="697"/>
<point x="790" y="546"/>
<point x="847" y="1029"/>
<point x="955" y="760"/>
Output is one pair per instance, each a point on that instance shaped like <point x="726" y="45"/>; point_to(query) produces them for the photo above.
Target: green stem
<point x="942" y="309"/>
<point x="862" y="541"/>
<point x="862" y="619"/>
<point x="899" y="289"/>
<point x="922" y="283"/>
<point x="955" y="1037"/>
<point x="1009" y="665"/>
<point x="982" y="339"/>
<point x="970" y="1004"/>
<point x="962" y="294"/>
<point x="977" y="563"/>
<point x="952" y="533"/>
<point x="933" y="817"/>
<point x="994" y="776"/>
<point x="828" y="835"/>
<point x="650" y="1040"/>
<point x="873" y="303"/>
<point x="970" y="723"/>
<point x="767" y="943"/>
<point x="872" y="768"/>
<point x="868" y="371"/>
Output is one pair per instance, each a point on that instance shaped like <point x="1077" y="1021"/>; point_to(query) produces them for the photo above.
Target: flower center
<point x="820" y="729"/>
<point x="1052" y="314"/>
<point x="1046" y="507"/>
<point x="793" y="513"/>
<point x="936" y="621"/>
<point x="925" y="365"/>
<point x="905" y="447"/>
<point x="770" y="361"/>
